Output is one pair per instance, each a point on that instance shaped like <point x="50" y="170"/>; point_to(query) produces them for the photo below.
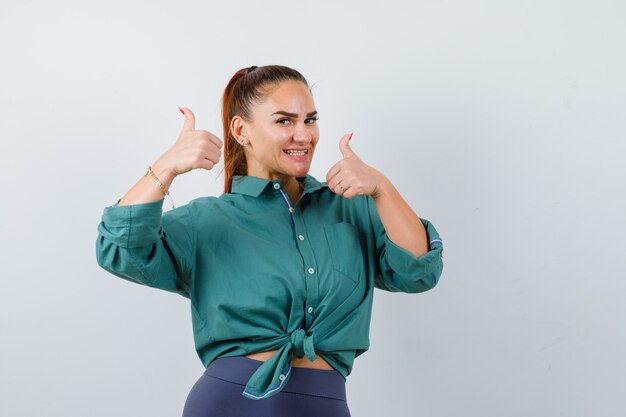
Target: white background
<point x="501" y="122"/>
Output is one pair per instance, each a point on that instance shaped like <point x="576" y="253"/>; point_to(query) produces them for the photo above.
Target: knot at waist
<point x="273" y="374"/>
<point x="303" y="344"/>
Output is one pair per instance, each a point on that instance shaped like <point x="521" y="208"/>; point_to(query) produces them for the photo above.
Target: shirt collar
<point x="253" y="186"/>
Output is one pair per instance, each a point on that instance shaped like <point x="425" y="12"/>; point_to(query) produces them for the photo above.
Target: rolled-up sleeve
<point x="142" y="244"/>
<point x="397" y="269"/>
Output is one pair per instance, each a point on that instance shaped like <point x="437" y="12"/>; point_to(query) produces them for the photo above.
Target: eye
<point x="314" y="119"/>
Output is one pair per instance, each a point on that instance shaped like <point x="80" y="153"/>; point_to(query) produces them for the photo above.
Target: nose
<point x="303" y="135"/>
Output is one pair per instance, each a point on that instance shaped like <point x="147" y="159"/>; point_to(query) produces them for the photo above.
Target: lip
<point x="304" y="158"/>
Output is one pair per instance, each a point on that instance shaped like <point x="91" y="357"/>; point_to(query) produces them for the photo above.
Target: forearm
<point x="147" y="190"/>
<point x="402" y="226"/>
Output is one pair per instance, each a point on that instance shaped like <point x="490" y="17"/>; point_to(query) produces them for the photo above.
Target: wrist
<point x="162" y="176"/>
<point x="383" y="187"/>
<point x="165" y="173"/>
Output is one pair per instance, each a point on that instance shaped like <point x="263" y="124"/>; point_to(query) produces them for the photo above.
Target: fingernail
<point x="350" y="136"/>
<point x="181" y="110"/>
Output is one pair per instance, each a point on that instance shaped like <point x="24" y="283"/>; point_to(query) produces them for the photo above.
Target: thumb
<point x="344" y="147"/>
<point x="190" y="119"/>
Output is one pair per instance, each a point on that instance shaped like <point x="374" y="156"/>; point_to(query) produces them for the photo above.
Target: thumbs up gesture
<point x="351" y="176"/>
<point x="194" y="148"/>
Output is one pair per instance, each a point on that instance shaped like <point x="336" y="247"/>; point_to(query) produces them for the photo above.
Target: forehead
<point x="291" y="96"/>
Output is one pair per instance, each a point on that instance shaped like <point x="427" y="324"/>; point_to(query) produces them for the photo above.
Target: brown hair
<point x="245" y="89"/>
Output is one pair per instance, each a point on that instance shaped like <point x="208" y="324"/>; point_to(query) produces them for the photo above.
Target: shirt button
<point x="300" y="237"/>
<point x="277" y="186"/>
<point x="310" y="310"/>
<point x="281" y="377"/>
<point x="311" y="271"/>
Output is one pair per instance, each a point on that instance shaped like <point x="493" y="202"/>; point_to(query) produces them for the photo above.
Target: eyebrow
<point x="284" y="113"/>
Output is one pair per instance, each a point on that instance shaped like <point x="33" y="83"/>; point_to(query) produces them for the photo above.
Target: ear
<point x="239" y="127"/>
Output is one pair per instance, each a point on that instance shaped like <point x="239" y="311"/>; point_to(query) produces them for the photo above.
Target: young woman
<point x="280" y="269"/>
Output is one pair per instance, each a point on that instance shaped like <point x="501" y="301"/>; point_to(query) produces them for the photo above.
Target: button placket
<point x="306" y="251"/>
<point x="311" y="279"/>
<point x="286" y="200"/>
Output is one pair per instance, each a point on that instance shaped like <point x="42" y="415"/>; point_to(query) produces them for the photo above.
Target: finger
<point x="190" y="119"/>
<point x="334" y="170"/>
<point x="212" y="155"/>
<point x="340" y="188"/>
<point x="206" y="164"/>
<point x="208" y="160"/>
<point x="336" y="182"/>
<point x="347" y="194"/>
<point x="214" y="138"/>
<point x="344" y="147"/>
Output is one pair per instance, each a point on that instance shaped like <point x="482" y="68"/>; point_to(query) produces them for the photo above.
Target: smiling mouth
<point x="300" y="153"/>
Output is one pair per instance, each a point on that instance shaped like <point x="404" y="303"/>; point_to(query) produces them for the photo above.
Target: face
<point x="286" y="119"/>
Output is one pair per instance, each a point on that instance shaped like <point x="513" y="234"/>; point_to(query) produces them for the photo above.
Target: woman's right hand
<point x="193" y="148"/>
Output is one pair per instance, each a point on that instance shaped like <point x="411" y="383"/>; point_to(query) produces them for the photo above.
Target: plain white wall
<point x="501" y="122"/>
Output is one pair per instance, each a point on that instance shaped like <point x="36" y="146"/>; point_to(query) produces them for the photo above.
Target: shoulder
<point x="210" y="205"/>
<point x="206" y="204"/>
<point x="203" y="202"/>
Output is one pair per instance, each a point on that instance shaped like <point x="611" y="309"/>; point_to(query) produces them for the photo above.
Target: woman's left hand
<point x="351" y="176"/>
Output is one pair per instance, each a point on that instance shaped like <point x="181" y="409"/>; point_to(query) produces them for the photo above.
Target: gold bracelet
<point x="165" y="192"/>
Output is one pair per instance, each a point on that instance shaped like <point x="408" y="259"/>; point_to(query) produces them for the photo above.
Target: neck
<point x="294" y="191"/>
<point x="291" y="185"/>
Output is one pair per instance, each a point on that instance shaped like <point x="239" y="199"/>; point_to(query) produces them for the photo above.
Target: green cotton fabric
<point x="262" y="274"/>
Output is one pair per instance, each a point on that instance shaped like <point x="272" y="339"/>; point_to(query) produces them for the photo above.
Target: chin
<point x="300" y="172"/>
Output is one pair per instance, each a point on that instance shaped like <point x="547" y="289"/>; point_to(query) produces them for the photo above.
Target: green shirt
<point x="262" y="275"/>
